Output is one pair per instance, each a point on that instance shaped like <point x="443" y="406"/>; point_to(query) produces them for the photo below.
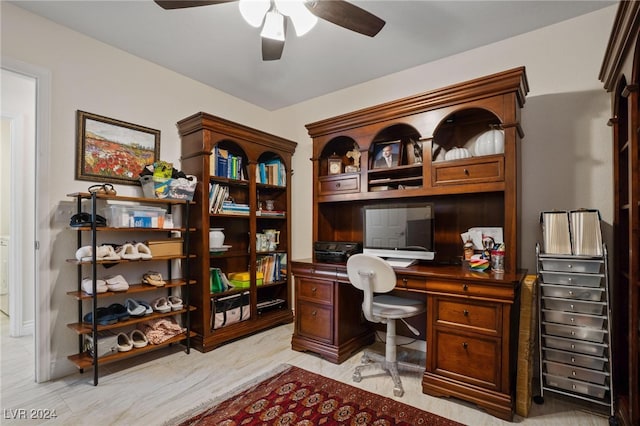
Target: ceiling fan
<point x="271" y="16"/>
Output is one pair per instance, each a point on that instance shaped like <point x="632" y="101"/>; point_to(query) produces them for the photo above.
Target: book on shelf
<point x="271" y="213"/>
<point x="271" y="172"/>
<point x="273" y="266"/>
<point x="217" y="195"/>
<point x="224" y="163"/>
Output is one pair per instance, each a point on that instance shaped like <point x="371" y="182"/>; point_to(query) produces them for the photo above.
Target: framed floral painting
<point x="109" y="150"/>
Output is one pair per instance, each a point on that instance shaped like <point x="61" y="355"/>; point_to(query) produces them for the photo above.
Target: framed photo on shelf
<point x="413" y="150"/>
<point x="109" y="150"/>
<point x="386" y="154"/>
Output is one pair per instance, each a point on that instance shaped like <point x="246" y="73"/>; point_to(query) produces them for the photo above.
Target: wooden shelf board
<point x="155" y="258"/>
<point x="136" y="199"/>
<point x="86" y="328"/>
<point x="84" y="360"/>
<point x="133" y="288"/>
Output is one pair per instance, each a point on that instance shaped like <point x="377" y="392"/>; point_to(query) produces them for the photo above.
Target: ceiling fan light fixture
<point x="253" y="11"/>
<point x="273" y="26"/>
<point x="303" y="20"/>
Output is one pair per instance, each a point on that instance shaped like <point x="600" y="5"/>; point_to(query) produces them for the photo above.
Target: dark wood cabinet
<point x="620" y="74"/>
<point x="250" y="155"/>
<point x="469" y="325"/>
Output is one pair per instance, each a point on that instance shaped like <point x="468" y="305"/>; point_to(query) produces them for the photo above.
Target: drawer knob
<point x="465" y="313"/>
<point x="337" y="184"/>
<point x="466" y="172"/>
<point x="313" y="289"/>
<point x="569" y="266"/>
<point x="404" y="282"/>
<point x="570" y="292"/>
<point x="314" y="313"/>
<point x="465" y="345"/>
<point x="465" y="287"/>
<point x="573" y="359"/>
<point x="573" y="373"/>
<point x="573" y="308"/>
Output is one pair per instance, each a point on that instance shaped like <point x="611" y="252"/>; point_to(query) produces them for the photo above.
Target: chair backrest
<point x="370" y="274"/>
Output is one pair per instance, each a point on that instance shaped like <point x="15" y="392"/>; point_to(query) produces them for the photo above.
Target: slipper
<point x="134" y="308"/>
<point x="117" y="283"/>
<point x="104" y="189"/>
<point x="128" y="251"/>
<point x="103" y="317"/>
<point x="124" y="343"/>
<point x="147" y="306"/>
<point x="154" y="279"/>
<point x="175" y="303"/>
<point x="143" y="250"/>
<point x="138" y="339"/>
<point x="87" y="286"/>
<point x="120" y="311"/>
<point x="103" y="252"/>
<point x="161" y="304"/>
<point x="84" y="253"/>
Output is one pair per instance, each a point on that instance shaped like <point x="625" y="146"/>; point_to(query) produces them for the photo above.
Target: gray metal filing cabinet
<point x="574" y="333"/>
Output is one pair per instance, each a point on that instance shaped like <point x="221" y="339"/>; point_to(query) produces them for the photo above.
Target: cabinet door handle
<point x="465" y="313"/>
<point x="465" y="345"/>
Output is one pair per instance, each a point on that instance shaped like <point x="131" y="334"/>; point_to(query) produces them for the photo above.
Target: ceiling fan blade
<point x="346" y="15"/>
<point x="181" y="4"/>
<point x="271" y="49"/>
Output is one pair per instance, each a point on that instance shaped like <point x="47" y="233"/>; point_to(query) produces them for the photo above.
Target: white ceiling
<point x="213" y="44"/>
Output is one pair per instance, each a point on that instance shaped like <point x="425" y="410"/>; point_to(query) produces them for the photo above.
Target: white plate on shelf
<point x="219" y="249"/>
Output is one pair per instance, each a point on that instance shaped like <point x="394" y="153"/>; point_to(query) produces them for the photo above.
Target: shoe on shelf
<point x="138" y="338"/>
<point x="104" y="252"/>
<point x="143" y="250"/>
<point x="153" y="278"/>
<point x="161" y="304"/>
<point x="148" y="308"/>
<point x="175" y="302"/>
<point x="103" y="317"/>
<point x="120" y="311"/>
<point x="117" y="283"/>
<point x="134" y="308"/>
<point x="124" y="343"/>
<point x="128" y="251"/>
<point x="87" y="286"/>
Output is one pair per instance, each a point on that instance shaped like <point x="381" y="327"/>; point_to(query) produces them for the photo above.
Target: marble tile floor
<point x="155" y="387"/>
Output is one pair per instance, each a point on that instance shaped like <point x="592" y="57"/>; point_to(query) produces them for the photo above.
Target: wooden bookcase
<point x="203" y="135"/>
<point x="620" y="74"/>
<point x="476" y="191"/>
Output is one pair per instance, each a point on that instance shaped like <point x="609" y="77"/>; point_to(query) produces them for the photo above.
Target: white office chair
<point x="372" y="274"/>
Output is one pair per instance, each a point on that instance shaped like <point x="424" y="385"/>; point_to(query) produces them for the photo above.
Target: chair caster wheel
<point x="356" y="377"/>
<point x="398" y="392"/>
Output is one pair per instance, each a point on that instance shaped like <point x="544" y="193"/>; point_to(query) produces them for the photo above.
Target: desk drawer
<point x="485" y="317"/>
<point x="315" y="290"/>
<point x="315" y="321"/>
<point x="472" y="171"/>
<point x="468" y="358"/>
<point x="411" y="283"/>
<point x="470" y="288"/>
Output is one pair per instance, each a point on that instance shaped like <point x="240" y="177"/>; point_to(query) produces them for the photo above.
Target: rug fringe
<point x="211" y="403"/>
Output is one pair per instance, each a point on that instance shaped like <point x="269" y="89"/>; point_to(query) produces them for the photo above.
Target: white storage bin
<point x="119" y="215"/>
<point x="572" y="265"/>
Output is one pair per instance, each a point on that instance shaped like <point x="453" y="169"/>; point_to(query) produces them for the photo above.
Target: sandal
<point x="154" y="279"/>
<point x="175" y="302"/>
<point x="102" y="189"/>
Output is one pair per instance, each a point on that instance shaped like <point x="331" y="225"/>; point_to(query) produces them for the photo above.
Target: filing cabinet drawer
<point x="315" y="290"/>
<point x="575" y="386"/>
<point x="572" y="265"/>
<point x="315" y="321"/>
<point x="588" y="348"/>
<point x="572" y="292"/>
<point x="341" y="184"/>
<point x="577" y="373"/>
<point x="586" y="280"/>
<point x="569" y="305"/>
<point x="593" y="362"/>
<point x="471" y="359"/>
<point x="583" y="333"/>
<point x="479" y="316"/>
<point x="472" y="171"/>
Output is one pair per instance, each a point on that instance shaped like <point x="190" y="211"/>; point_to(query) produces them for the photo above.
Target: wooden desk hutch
<point x="472" y="317"/>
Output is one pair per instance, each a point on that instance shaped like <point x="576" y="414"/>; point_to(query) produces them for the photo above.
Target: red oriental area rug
<point x="293" y="396"/>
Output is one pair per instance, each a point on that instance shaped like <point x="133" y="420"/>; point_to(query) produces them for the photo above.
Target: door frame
<point x="42" y="244"/>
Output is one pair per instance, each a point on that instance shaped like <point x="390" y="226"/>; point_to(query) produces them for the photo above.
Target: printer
<point x="335" y="251"/>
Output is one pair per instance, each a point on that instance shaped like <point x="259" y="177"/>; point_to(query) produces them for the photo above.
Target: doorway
<point x="25" y="203"/>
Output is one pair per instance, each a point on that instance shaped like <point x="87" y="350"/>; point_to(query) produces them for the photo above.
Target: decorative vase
<point x="216" y="237"/>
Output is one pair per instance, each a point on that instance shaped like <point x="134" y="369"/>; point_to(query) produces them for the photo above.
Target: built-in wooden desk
<point x="471" y="326"/>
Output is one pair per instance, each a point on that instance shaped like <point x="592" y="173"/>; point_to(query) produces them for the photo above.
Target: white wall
<point x="566" y="151"/>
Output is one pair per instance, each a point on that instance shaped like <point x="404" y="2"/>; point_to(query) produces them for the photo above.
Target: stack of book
<point x="272" y="266"/>
<point x="229" y="207"/>
<point x="226" y="164"/>
<point x="271" y="213"/>
<point x="271" y="172"/>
